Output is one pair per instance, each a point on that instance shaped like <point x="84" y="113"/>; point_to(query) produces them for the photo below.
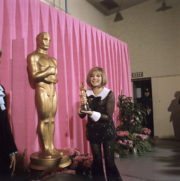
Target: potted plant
<point x="131" y="136"/>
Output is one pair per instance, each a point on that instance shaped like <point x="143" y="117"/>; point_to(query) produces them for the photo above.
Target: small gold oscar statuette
<point x="85" y="106"/>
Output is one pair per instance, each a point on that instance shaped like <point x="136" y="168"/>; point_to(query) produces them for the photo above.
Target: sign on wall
<point x="137" y="74"/>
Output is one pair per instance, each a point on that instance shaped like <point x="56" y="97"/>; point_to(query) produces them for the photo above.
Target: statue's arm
<point x="55" y="63"/>
<point x="34" y="71"/>
<point x="56" y="71"/>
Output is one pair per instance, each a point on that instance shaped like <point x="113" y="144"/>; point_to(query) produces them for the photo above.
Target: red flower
<point x="146" y="131"/>
<point x="122" y="133"/>
<point x="142" y="136"/>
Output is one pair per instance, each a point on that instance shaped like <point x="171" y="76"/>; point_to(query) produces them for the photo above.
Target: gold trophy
<point x="85" y="106"/>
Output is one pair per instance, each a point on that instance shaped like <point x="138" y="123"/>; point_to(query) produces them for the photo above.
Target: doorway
<point x="140" y="86"/>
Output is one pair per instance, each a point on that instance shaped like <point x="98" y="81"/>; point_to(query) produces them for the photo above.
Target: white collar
<point x="103" y="93"/>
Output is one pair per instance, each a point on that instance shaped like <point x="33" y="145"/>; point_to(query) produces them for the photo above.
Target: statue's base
<point x="40" y="163"/>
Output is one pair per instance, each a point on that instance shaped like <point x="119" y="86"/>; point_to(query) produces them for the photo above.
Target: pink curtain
<point x="77" y="48"/>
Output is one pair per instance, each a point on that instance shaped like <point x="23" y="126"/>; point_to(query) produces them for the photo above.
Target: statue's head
<point x="43" y="40"/>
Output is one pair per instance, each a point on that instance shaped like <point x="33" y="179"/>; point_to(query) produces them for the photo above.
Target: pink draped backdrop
<point x="77" y="47"/>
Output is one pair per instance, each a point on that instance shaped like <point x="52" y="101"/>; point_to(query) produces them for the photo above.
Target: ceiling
<point x="108" y="7"/>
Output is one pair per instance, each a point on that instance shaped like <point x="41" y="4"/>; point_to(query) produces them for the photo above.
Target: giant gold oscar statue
<point x="42" y="71"/>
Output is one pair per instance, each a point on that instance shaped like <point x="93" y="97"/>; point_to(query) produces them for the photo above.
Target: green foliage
<point x="130" y="112"/>
<point x="121" y="150"/>
<point x="130" y="129"/>
<point x="143" y="146"/>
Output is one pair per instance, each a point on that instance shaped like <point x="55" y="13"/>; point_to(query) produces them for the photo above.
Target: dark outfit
<point x="102" y="132"/>
<point x="148" y="122"/>
<point x="7" y="144"/>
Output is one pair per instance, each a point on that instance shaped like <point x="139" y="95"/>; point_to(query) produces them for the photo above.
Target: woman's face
<point x="96" y="79"/>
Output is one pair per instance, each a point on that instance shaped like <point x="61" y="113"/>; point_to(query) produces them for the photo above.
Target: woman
<point x="100" y="129"/>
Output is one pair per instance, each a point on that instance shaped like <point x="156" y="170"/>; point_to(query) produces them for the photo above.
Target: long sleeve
<point x="102" y="109"/>
<point x="82" y="115"/>
<point x="109" y="108"/>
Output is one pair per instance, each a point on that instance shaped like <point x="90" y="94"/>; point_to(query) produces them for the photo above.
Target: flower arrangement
<point x="81" y="163"/>
<point x="131" y="136"/>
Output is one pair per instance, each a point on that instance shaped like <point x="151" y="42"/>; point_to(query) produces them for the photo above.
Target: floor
<point x="162" y="164"/>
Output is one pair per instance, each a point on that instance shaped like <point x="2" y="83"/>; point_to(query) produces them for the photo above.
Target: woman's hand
<point x="80" y="111"/>
<point x="86" y="112"/>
